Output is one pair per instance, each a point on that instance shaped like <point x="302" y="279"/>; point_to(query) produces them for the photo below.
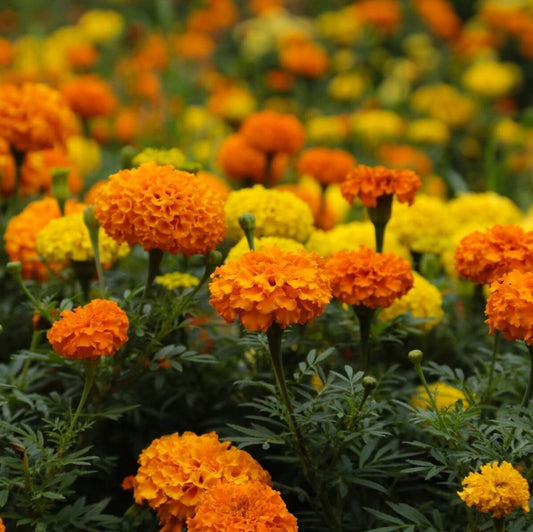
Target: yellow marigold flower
<point x="253" y="507"/>
<point x="67" y="238"/>
<point x="424" y="300"/>
<point x="428" y="131"/>
<point x="497" y="489"/>
<point x="316" y="382"/>
<point x="97" y="329"/>
<point x="85" y="154"/>
<point x="492" y="79"/>
<point x="341" y="26"/>
<point x="377" y="125"/>
<point x="445" y="396"/>
<point x="161" y="207"/>
<point x="347" y="87"/>
<point x="285" y="244"/>
<point x="327" y="129"/>
<point x="176" y="471"/>
<point x="101" y="25"/>
<point x="270" y="286"/>
<point x="277" y="213"/>
<point x="509" y="132"/>
<point x="175" y="280"/>
<point x="174" y="157"/>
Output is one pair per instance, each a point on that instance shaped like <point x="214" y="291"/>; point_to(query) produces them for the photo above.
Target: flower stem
<point x="90" y="371"/>
<point x="495" y="349"/>
<point x="499" y="525"/>
<point x="379" y="216"/>
<point x="529" y="388"/>
<point x="431" y="397"/>
<point x="365" y="316"/>
<point x="155" y="256"/>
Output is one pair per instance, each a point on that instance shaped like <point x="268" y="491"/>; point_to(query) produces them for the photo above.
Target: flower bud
<point x="247" y="223"/>
<point x="369" y="383"/>
<point x="60" y="189"/>
<point x="214" y="259"/>
<point x="415" y="356"/>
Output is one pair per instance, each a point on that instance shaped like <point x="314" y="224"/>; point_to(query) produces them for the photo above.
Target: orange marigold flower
<point x="509" y="306"/>
<point x="279" y="80"/>
<point x="250" y="507"/>
<point x="127" y="124"/>
<point x="498" y="489"/>
<point x="2" y="526"/>
<point x="304" y="59"/>
<point x="363" y="277"/>
<point x="386" y="15"/>
<point x="7" y="169"/>
<point x="35" y="174"/>
<point x="176" y="471"/>
<point x="405" y="156"/>
<point x="440" y="17"/>
<point x="95" y="330"/>
<point x="7" y="52"/>
<point x="161" y="207"/>
<point x="89" y="96"/>
<point x="369" y="183"/>
<point x="194" y="45"/>
<point x="270" y="286"/>
<point x="82" y="55"/>
<point x="273" y="132"/>
<point x="326" y="165"/>
<point x="34" y="117"/>
<point x="483" y="256"/>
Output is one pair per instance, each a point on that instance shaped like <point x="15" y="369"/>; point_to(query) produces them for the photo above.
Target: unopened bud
<point x="369" y="383"/>
<point x="415" y="356"/>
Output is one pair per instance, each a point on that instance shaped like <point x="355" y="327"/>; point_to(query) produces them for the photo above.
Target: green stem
<point x="84" y="271"/>
<point x="35" y="337"/>
<point x="90" y="372"/>
<point x="499" y="525"/>
<point x="155" y="256"/>
<point x="365" y="316"/>
<point x="431" y="397"/>
<point x="380" y="216"/>
<point x="495" y="349"/>
<point x="529" y="388"/>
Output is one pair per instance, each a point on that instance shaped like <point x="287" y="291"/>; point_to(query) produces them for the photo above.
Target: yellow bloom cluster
<point x="67" y="238"/>
<point x="326" y="129"/>
<point x="100" y="25"/>
<point x="347" y="86"/>
<point x="424" y="300"/>
<point x="445" y="396"/>
<point x="340" y="26"/>
<point x="428" y="131"/>
<point x="173" y="156"/>
<point x="285" y="244"/>
<point x="377" y="125"/>
<point x="84" y="153"/>
<point x="277" y="213"/>
<point x="492" y="79"/>
<point x="175" y="280"/>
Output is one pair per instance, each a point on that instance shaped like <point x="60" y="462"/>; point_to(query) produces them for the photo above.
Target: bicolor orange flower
<point x="273" y="132"/>
<point x="509" y="306"/>
<point x="326" y="165"/>
<point x="176" y="471"/>
<point x="250" y="507"/>
<point x="498" y="489"/>
<point x="270" y="286"/>
<point x="483" y="256"/>
<point x="161" y="207"/>
<point x="34" y="117"/>
<point x="89" y="95"/>
<point x="363" y="277"/>
<point x="369" y="183"/>
<point x="97" y="329"/>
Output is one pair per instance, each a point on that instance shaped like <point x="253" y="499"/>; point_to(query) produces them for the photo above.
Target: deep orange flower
<point x="89" y="96"/>
<point x="34" y="117"/>
<point x="273" y="132"/>
<point x="385" y="15"/>
<point x="304" y="59"/>
<point x="95" y="330"/>
<point x="270" y="286"/>
<point x="365" y="278"/>
<point x="2" y="526"/>
<point x="483" y="256"/>
<point x="326" y="165"/>
<point x="215" y="16"/>
<point x="7" y="52"/>
<point x="510" y="306"/>
<point x="279" y="80"/>
<point x="127" y="125"/>
<point x="7" y="170"/>
<point x="194" y="45"/>
<point x="440" y="17"/>
<point x="35" y="172"/>
<point x="176" y="471"/>
<point x="250" y="507"/>
<point x="405" y="156"/>
<point x="369" y="183"/>
<point x="161" y="207"/>
<point x="82" y="55"/>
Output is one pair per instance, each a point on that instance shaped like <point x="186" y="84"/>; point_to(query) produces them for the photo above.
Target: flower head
<point x="7" y="170"/>
<point x="498" y="489"/>
<point x="363" y="277"/>
<point x="241" y="247"/>
<point x="97" y="329"/>
<point x="89" y="95"/>
<point x="176" y="471"/>
<point x="445" y="396"/>
<point x="161" y="207"/>
<point x="369" y="183"/>
<point x="304" y="58"/>
<point x="174" y="157"/>
<point x="175" y="280"/>
<point x="270" y="286"/>
<point x="484" y="256"/>
<point x="250" y="507"/>
<point x="326" y="165"/>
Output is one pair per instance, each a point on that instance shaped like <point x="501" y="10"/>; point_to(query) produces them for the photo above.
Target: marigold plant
<point x="174" y="280"/>
<point x="326" y="165"/>
<point x="89" y="95"/>
<point x="242" y="247"/>
<point x="444" y="395"/>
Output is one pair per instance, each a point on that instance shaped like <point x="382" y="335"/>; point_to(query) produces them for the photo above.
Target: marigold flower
<point x="363" y="277"/>
<point x="385" y="15"/>
<point x="405" y="156"/>
<point x="276" y="212"/>
<point x="7" y="169"/>
<point x="2" y="526"/>
<point x="429" y="131"/>
<point x="304" y="59"/>
<point x="101" y="25"/>
<point x="440" y="17"/>
<point x="492" y="79"/>
<point x="34" y="117"/>
<point x="327" y="129"/>
<point x="369" y="183"/>
<point x="483" y="257"/>
<point x="326" y="165"/>
<point x="250" y="507"/>
<point x="84" y="153"/>
<point x="270" y="286"/>
<point x="194" y="45"/>
<point x="175" y="472"/>
<point x="377" y="125"/>
<point x="445" y="396"/>
<point x="273" y="132"/>
<point x="241" y="247"/>
<point x="94" y="330"/>
<point x="161" y="207"/>
<point x="174" y="280"/>
<point x="175" y="157"/>
<point x="89" y="96"/>
<point x="498" y="489"/>
<point x="82" y="55"/>
<point x="7" y="52"/>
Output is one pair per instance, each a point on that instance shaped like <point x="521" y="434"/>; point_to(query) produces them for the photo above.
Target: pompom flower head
<point x="270" y="286"/>
<point x="162" y="208"/>
<point x="97" y="329"/>
<point x="326" y="165"/>
<point x="250" y="507"/>
<point x="497" y="489"/>
<point x="445" y="396"/>
<point x="176" y="471"/>
<point x="89" y="96"/>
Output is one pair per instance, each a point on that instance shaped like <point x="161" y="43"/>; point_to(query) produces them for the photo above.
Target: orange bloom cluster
<point x="2" y="526"/>
<point x="483" y="256"/>
<point x="273" y="132"/>
<point x="7" y="169"/>
<point x="161" y="207"/>
<point x="194" y="45"/>
<point x="97" y="329"/>
<point x="250" y="507"/>
<point x="270" y="286"/>
<point x="7" y="52"/>
<point x="440" y="17"/>
<point x="385" y="15"/>
<point x="89" y="96"/>
<point x="364" y="277"/>
<point x="35" y="174"/>
<point x="405" y="156"/>
<point x="214" y="15"/>
<point x="176" y="471"/>
<point x="326" y="165"/>
<point x="510" y="306"/>
<point x="34" y="117"/>
<point x="21" y="235"/>
<point x="82" y="55"/>
<point x="304" y="58"/>
<point x="369" y="183"/>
